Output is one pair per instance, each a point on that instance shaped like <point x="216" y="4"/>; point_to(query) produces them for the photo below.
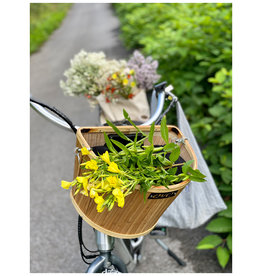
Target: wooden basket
<point x="136" y="218"/>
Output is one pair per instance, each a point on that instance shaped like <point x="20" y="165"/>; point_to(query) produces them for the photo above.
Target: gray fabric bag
<point x="199" y="201"/>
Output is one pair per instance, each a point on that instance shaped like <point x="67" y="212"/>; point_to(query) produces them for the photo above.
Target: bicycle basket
<point x="138" y="217"/>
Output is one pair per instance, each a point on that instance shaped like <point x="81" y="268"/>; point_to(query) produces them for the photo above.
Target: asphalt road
<point x="53" y="219"/>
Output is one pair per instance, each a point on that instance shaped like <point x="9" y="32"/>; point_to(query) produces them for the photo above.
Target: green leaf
<point x="144" y="187"/>
<point x="149" y="150"/>
<point x="228" y="212"/>
<point x="186" y="166"/>
<point x="151" y="133"/>
<point x="139" y="165"/>
<point x="164" y="130"/>
<point x="222" y="256"/>
<point x="126" y="115"/>
<point x="172" y="171"/>
<point x="226" y="159"/>
<point x="196" y="179"/>
<point x="131" y="122"/>
<point x="209" y="242"/>
<point x="121" y="146"/>
<point x="135" y="141"/>
<point x="174" y="154"/>
<point x="225" y="188"/>
<point x="220" y="76"/>
<point x="164" y="161"/>
<point x="109" y="144"/>
<point x="220" y="225"/>
<point x="217" y="110"/>
<point x="196" y="172"/>
<point x="229" y="242"/>
<point x="227" y="138"/>
<point x="169" y="147"/>
<point x="215" y="169"/>
<point x="189" y="163"/>
<point x="118" y="132"/>
<point x="226" y="175"/>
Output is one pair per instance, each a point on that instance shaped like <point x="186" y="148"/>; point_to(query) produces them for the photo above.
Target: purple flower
<point x="145" y="68"/>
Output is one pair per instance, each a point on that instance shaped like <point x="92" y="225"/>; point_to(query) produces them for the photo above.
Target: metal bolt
<point x="108" y="264"/>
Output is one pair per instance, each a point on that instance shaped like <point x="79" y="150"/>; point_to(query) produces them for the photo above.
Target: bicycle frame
<point x="105" y="243"/>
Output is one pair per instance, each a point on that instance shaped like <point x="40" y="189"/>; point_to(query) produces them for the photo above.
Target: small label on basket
<point x="162" y="195"/>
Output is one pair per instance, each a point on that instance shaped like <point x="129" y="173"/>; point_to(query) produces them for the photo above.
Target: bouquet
<point x="91" y="75"/>
<point x="112" y="176"/>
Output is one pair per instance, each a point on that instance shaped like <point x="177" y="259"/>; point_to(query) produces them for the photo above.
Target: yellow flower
<point x="105" y="157"/>
<point x="132" y="71"/>
<point x="83" y="180"/>
<point x="125" y="81"/>
<point x="92" y="165"/>
<point x="80" y="179"/>
<point x="85" y="184"/>
<point x="120" y="202"/>
<point x="114" y="76"/>
<point x="100" y="208"/>
<point x="85" y="151"/>
<point x="118" y="193"/>
<point x="96" y="184"/>
<point x="105" y="186"/>
<point x="113" y="181"/>
<point x="65" y="184"/>
<point x="99" y="200"/>
<point x="133" y="84"/>
<point x="113" y="168"/>
<point x="119" y="197"/>
<point x="93" y="193"/>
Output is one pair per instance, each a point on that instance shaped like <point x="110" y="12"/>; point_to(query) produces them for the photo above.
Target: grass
<point x="44" y="19"/>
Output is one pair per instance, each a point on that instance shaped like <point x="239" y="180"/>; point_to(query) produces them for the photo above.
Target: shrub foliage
<point x="44" y="19"/>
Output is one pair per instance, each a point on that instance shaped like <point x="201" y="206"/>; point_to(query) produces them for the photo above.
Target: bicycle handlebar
<point x="48" y="115"/>
<point x="159" y="108"/>
<point x="159" y="92"/>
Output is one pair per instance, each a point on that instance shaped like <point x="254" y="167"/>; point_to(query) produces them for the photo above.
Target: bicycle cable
<point x="82" y="245"/>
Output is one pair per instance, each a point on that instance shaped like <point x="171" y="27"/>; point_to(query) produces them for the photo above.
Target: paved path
<point x="53" y="235"/>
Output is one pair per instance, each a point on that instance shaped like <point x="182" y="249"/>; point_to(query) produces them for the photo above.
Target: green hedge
<point x="44" y="19"/>
<point x="193" y="44"/>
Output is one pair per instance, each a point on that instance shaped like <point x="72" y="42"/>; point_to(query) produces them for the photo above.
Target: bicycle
<point x="130" y="249"/>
